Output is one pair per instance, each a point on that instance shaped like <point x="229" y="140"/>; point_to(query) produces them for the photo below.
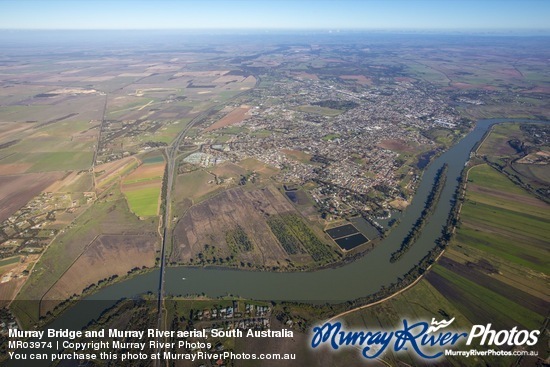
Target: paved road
<point x="172" y="153"/>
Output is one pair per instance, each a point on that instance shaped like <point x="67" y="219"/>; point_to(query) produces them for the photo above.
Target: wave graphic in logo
<point x="439" y="325"/>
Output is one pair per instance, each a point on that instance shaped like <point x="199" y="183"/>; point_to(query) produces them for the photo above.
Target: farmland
<point x="265" y="147"/>
<point x="475" y="288"/>
<point x="495" y="269"/>
<point x="17" y="190"/>
<point x="521" y="152"/>
<point x="105" y="258"/>
<point x="236" y="115"/>
<point x="108" y="216"/>
<point x="81" y="161"/>
<point x="142" y="187"/>
<point x="272" y="236"/>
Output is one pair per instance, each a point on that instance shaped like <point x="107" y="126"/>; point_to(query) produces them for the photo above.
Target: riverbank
<point x="366" y="276"/>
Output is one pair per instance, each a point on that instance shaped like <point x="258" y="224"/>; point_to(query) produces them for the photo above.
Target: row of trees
<point x="429" y="207"/>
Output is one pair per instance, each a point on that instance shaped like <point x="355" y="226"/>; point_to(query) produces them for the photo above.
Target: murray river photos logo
<point x="428" y="341"/>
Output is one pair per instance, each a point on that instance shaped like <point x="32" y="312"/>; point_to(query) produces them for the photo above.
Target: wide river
<point x="357" y="279"/>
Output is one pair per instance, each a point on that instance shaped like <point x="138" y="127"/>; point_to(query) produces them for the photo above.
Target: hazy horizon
<point x="344" y="15"/>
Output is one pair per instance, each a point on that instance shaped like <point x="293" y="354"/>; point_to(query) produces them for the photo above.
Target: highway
<point x="172" y="153"/>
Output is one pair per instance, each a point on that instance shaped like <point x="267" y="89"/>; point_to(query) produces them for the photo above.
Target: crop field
<point x="539" y="174"/>
<point x="423" y="302"/>
<point x="142" y="187"/>
<point x="106" y="256"/>
<point x="495" y="269"/>
<point x="212" y="231"/>
<point x="108" y="173"/>
<point x="194" y="185"/>
<point x="237" y="115"/>
<point x="17" y="190"/>
<point x="143" y="198"/>
<point x="105" y="217"/>
<point x="504" y="220"/>
<point x="73" y="181"/>
<point x="483" y="176"/>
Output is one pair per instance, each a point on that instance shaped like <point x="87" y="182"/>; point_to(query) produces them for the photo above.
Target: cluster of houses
<point x="231" y="312"/>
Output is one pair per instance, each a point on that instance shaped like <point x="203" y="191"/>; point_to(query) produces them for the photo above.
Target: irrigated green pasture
<point x="142" y="187"/>
<point x="494" y="271"/>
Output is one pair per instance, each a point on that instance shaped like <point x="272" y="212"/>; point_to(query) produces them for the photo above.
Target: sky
<point x="276" y="14"/>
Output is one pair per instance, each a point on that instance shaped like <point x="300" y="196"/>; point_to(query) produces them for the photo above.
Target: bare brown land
<point x="105" y="257"/>
<point x="68" y="180"/>
<point x="146" y="172"/>
<point x="228" y="169"/>
<point x="361" y="79"/>
<point x="305" y="75"/>
<point x="17" y="190"/>
<point x="14" y="168"/>
<point x="9" y="289"/>
<point x="11" y="278"/>
<point x="508" y="196"/>
<point x="204" y="228"/>
<point x="233" y="117"/>
<point x="297" y="155"/>
<point x="107" y="170"/>
<point x="255" y="165"/>
<point x="396" y="145"/>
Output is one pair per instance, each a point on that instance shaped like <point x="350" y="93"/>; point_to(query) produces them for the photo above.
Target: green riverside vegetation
<point x="429" y="207"/>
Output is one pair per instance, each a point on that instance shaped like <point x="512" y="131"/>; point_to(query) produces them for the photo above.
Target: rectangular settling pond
<point x="351" y="242"/>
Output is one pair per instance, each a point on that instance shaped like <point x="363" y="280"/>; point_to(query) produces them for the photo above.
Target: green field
<point x="153" y="158"/>
<point x="54" y="147"/>
<point x="9" y="261"/>
<point x="194" y="185"/>
<point x="52" y="161"/>
<point x="495" y="270"/>
<point x="170" y="131"/>
<point x="480" y="304"/>
<point x="329" y="137"/>
<point x="105" y="216"/>
<point x="144" y="202"/>
<point x="318" y="110"/>
<point x="485" y="176"/>
<point x="496" y="144"/>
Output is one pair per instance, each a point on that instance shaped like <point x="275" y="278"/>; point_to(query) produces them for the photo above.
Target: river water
<point x="358" y="279"/>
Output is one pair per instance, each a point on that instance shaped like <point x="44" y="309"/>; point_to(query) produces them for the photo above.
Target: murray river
<point x="351" y="281"/>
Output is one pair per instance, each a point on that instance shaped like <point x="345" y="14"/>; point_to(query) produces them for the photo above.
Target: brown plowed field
<point x="9" y="289"/>
<point x="475" y="273"/>
<point x="233" y="117"/>
<point x="396" y="145"/>
<point x="146" y="172"/>
<point x="361" y="79"/>
<point x="106" y="256"/>
<point x="108" y="169"/>
<point x="14" y="168"/>
<point x="207" y="223"/>
<point x="66" y="181"/>
<point x="17" y="190"/>
<point x="520" y="199"/>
